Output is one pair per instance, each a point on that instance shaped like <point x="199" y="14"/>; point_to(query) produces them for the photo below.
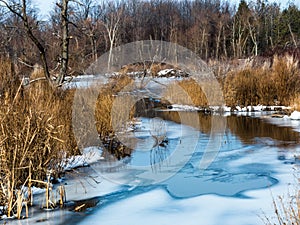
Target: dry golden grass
<point x="295" y="103"/>
<point x="111" y="115"/>
<point x="241" y="88"/>
<point x="186" y="92"/>
<point x="286" y="211"/>
<point x="35" y="130"/>
<point x="278" y="84"/>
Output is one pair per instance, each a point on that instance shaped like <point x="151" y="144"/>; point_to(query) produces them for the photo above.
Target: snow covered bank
<point x="89" y="155"/>
<point x="224" y="108"/>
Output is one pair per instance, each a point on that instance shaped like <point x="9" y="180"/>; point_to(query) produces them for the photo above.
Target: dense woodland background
<point x="217" y="30"/>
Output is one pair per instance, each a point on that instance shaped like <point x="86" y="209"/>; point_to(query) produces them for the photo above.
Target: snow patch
<point x="178" y="107"/>
<point x="89" y="155"/>
<point x="165" y="72"/>
<point x="295" y="115"/>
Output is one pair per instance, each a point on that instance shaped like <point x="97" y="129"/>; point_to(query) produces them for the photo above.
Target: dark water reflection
<point x="248" y="129"/>
<point x="247" y="142"/>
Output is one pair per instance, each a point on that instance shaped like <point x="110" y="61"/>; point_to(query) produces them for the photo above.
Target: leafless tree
<point x="20" y="9"/>
<point x="111" y="23"/>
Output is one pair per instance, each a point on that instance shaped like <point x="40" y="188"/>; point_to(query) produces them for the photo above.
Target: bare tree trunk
<point x="239" y="43"/>
<point x="35" y="41"/>
<point x="94" y="47"/>
<point x="224" y="44"/>
<point x="202" y="42"/>
<point x="112" y="29"/>
<point x="65" y="42"/>
<point x="112" y="40"/>
<point x="292" y="35"/>
<point x="233" y="40"/>
<point x="253" y="38"/>
<point x="218" y="41"/>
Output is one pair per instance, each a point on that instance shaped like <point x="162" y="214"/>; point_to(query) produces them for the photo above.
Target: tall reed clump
<point x="286" y="209"/>
<point x="186" y="92"/>
<point x="34" y="131"/>
<point x="111" y="115"/>
<point x="296" y="103"/>
<point x="241" y="88"/>
<point x="278" y="84"/>
<point x="286" y="77"/>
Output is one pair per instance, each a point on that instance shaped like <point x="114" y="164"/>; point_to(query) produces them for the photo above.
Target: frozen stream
<point x="256" y="161"/>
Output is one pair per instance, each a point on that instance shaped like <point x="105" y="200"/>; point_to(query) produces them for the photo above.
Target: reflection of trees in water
<point x="158" y="155"/>
<point x="244" y="127"/>
<point x="248" y="128"/>
<point x="158" y="131"/>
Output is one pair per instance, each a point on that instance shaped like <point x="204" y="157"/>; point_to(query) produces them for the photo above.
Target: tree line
<point x="76" y="33"/>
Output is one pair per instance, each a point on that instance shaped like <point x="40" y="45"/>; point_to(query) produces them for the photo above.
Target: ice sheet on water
<point x="205" y="209"/>
<point x="209" y="197"/>
<point x="223" y="184"/>
<point x="245" y="173"/>
<point x="85" y="81"/>
<point x="177" y="107"/>
<point x="227" y="175"/>
<point x="231" y="174"/>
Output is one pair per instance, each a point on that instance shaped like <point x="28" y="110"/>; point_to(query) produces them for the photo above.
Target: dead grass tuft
<point x="286" y="210"/>
<point x="275" y="85"/>
<point x="296" y="103"/>
<point x="186" y="92"/>
<point x="110" y="110"/>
